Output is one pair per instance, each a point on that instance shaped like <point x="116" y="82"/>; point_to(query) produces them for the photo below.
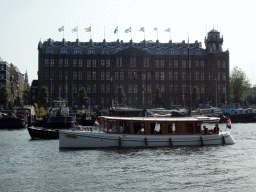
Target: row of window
<point x="91" y="75"/>
<point x="106" y="52"/>
<point x="133" y="63"/>
<point x="131" y="88"/>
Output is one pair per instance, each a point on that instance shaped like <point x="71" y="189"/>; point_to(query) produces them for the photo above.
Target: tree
<point x="4" y="95"/>
<point x="239" y="84"/>
<point x="120" y="95"/>
<point x="43" y="96"/>
<point x="157" y="98"/>
<point x="82" y="96"/>
<point x="25" y="96"/>
<point x="195" y="95"/>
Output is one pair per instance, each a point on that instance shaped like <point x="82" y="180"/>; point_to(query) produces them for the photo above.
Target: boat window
<point x="171" y="128"/>
<point x="103" y="123"/>
<point x="112" y="126"/>
<point x="139" y="127"/>
<point x="158" y="128"/>
<point x="198" y="128"/>
<point x="189" y="128"/>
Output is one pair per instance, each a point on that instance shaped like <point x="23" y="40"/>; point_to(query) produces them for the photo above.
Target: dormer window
<point x="63" y="51"/>
<point x="49" y="51"/>
<point x="91" y="51"/>
<point x="171" y="52"/>
<point x="158" y="52"/>
<point x="104" y="51"/>
<point x="77" y="51"/>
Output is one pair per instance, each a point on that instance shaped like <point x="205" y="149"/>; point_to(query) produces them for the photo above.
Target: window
<point x="189" y="65"/>
<point x="74" y="89"/>
<point x="183" y="76"/>
<point x="157" y="76"/>
<point x="80" y="75"/>
<point x="197" y="76"/>
<point x="170" y="76"/>
<point x="157" y="63"/>
<point x="218" y="76"/>
<point x="218" y="64"/>
<point x="183" y="64"/>
<point x="91" y="51"/>
<point x="176" y="64"/>
<point x="176" y="89"/>
<point x="94" y="75"/>
<point x="46" y="62"/>
<point x="61" y="63"/>
<point x="162" y="76"/>
<point x="94" y="63"/>
<point x="176" y="76"/>
<point x="202" y="64"/>
<point x="223" y="64"/>
<point x="224" y="76"/>
<point x="149" y="76"/>
<point x="108" y="76"/>
<point x="171" y="52"/>
<point x="102" y="76"/>
<point x="135" y="75"/>
<point x="171" y="88"/>
<point x="146" y="62"/>
<point x="89" y="62"/>
<point x="162" y="64"/>
<point x="107" y="63"/>
<point x="135" y="88"/>
<point x="132" y="62"/>
<point x="185" y="52"/>
<point x="80" y="63"/>
<point x="184" y="90"/>
<point x="66" y="63"/>
<point x="88" y="88"/>
<point x="49" y="50"/>
<point x="223" y="89"/>
<point x="121" y="76"/>
<point x="149" y="88"/>
<point x="102" y="62"/>
<point x="102" y="89"/>
<point x="107" y="88"/>
<point x="202" y="76"/>
<point x="63" y="51"/>
<point x="143" y="76"/>
<point x="116" y="76"/>
<point x="88" y="75"/>
<point x="158" y="52"/>
<point x="119" y="62"/>
<point x="52" y="63"/>
<point x="202" y="89"/>
<point x="52" y="75"/>
<point x="94" y="88"/>
<point x="77" y="51"/>
<point x="74" y="63"/>
<point x="104" y="51"/>
<point x="74" y="75"/>
<point x="162" y="88"/>
<point x="129" y="88"/>
<point x="197" y="63"/>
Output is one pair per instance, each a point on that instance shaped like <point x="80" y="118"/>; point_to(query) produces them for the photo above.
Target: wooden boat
<point x="243" y="116"/>
<point x="145" y="132"/>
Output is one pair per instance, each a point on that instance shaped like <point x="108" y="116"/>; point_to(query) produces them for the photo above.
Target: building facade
<point x="100" y="67"/>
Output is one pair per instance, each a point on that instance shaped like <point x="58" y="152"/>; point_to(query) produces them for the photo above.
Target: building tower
<point x="213" y="42"/>
<point x="26" y="77"/>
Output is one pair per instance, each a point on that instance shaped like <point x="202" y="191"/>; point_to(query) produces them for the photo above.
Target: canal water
<point x="39" y="165"/>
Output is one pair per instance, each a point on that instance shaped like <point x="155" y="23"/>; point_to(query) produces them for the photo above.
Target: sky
<point x="23" y="23"/>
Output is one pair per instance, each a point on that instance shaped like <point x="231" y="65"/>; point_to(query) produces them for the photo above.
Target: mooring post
<point x="146" y="141"/>
<point x="223" y="140"/>
<point x="202" y="140"/>
<point x="170" y="140"/>
<point x="120" y="141"/>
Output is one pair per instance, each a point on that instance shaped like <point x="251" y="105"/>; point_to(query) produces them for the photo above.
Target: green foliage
<point x="157" y="98"/>
<point x="42" y="112"/>
<point x="3" y="95"/>
<point x="239" y="84"/>
<point x="195" y="95"/>
<point x="43" y="96"/>
<point x="36" y="108"/>
<point x="82" y="96"/>
<point x="25" y="96"/>
<point x="120" y="95"/>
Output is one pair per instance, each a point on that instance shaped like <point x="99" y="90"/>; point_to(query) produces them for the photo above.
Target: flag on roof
<point x="75" y="29"/>
<point x="154" y="29"/>
<point x="116" y="30"/>
<point x="168" y="30"/>
<point x="128" y="30"/>
<point x="61" y="29"/>
<point x="88" y="29"/>
<point x="96" y="123"/>
<point x="141" y="29"/>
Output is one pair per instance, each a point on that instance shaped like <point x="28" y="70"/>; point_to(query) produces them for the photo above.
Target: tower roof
<point x="214" y="31"/>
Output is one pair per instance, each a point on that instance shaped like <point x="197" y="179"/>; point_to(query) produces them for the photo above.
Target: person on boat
<point x="114" y="129"/>
<point x="126" y="130"/>
<point x="206" y="131"/>
<point x="216" y="129"/>
<point x="121" y="129"/>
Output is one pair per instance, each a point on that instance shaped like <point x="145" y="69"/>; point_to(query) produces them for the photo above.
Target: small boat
<point x="145" y="132"/>
<point x="12" y="122"/>
<point x="241" y="115"/>
<point x="43" y="133"/>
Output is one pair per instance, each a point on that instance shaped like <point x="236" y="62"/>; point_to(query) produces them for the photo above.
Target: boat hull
<point x="12" y="123"/>
<point x="59" y="122"/>
<point x="86" y="140"/>
<point x="243" y="118"/>
<point x="42" y="133"/>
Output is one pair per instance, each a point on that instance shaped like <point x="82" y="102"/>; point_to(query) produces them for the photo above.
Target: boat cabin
<point x="153" y="125"/>
<point x="244" y="111"/>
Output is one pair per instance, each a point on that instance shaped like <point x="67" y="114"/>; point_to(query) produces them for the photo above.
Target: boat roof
<point x="203" y="119"/>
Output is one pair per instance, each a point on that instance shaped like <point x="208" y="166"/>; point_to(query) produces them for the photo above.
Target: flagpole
<point x="90" y="32"/>
<point x="77" y="32"/>
<point x="131" y="33"/>
<point x="63" y="33"/>
<point x="117" y="33"/>
<point x="157" y="33"/>
<point x="170" y="34"/>
<point x="104" y="31"/>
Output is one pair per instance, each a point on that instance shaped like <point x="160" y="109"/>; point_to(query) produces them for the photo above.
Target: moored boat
<point x="12" y="122"/>
<point x="43" y="133"/>
<point x="145" y="132"/>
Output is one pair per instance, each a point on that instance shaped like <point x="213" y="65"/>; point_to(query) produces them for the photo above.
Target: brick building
<point x="100" y="67"/>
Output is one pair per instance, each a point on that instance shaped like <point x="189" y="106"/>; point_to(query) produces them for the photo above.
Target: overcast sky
<point x="24" y="22"/>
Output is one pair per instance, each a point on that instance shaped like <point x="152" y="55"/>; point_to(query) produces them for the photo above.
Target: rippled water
<point x="39" y="165"/>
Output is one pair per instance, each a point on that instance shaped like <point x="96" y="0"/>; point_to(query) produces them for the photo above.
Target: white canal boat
<point x="146" y="132"/>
